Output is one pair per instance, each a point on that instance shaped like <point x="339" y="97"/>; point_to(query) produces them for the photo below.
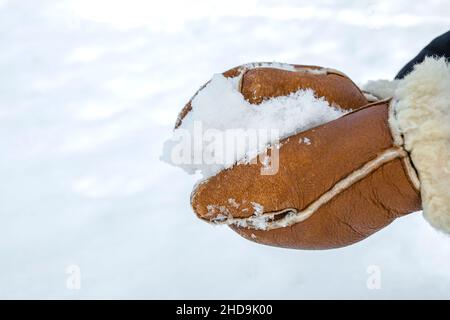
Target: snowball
<point x="223" y="128"/>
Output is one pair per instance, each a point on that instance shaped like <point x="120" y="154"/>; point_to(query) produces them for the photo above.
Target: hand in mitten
<point x="338" y="179"/>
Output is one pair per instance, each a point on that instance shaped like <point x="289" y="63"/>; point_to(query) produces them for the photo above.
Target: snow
<point x="89" y="90"/>
<point x="233" y="203"/>
<point x="257" y="220"/>
<point x="277" y="65"/>
<point x="258" y="208"/>
<point x="304" y="140"/>
<point x="220" y="115"/>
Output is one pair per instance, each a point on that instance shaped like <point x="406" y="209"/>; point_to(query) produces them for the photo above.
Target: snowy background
<point x="90" y="89"/>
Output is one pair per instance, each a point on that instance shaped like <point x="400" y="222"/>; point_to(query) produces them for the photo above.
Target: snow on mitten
<point x="344" y="169"/>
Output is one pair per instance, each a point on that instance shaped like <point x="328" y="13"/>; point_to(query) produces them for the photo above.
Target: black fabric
<point x="440" y="47"/>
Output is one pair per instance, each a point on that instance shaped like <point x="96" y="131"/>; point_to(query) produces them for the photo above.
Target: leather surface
<point x="307" y="171"/>
<point x="262" y="83"/>
<point x="259" y="84"/>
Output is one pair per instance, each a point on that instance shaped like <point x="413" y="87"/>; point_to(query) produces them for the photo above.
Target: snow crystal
<point x="220" y="218"/>
<point x="258" y="208"/>
<point x="257" y="222"/>
<point x="304" y="140"/>
<point x="219" y="111"/>
<point x="213" y="209"/>
<point x="233" y="203"/>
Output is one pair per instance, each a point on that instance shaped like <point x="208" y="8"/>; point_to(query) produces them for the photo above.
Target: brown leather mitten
<point x="355" y="175"/>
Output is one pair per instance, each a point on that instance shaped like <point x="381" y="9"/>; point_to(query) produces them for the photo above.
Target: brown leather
<point x="337" y="149"/>
<point x="306" y="172"/>
<point x="261" y="83"/>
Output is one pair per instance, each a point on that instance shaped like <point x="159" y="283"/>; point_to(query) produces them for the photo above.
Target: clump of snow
<point x="304" y="140"/>
<point x="258" y="208"/>
<point x="258" y="220"/>
<point x="213" y="209"/>
<point x="233" y="203"/>
<point x="219" y="111"/>
<point x="265" y="161"/>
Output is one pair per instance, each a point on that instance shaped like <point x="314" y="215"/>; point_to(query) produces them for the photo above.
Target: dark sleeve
<point x="440" y="46"/>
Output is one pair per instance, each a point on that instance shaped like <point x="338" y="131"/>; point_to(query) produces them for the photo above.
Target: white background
<point x="90" y="89"/>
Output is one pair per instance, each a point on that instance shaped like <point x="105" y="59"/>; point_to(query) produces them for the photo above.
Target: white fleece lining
<point x="393" y="125"/>
<point x="412" y="174"/>
<point x="398" y="141"/>
<point x="370" y="97"/>
<point x="422" y="113"/>
<point x="381" y="89"/>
